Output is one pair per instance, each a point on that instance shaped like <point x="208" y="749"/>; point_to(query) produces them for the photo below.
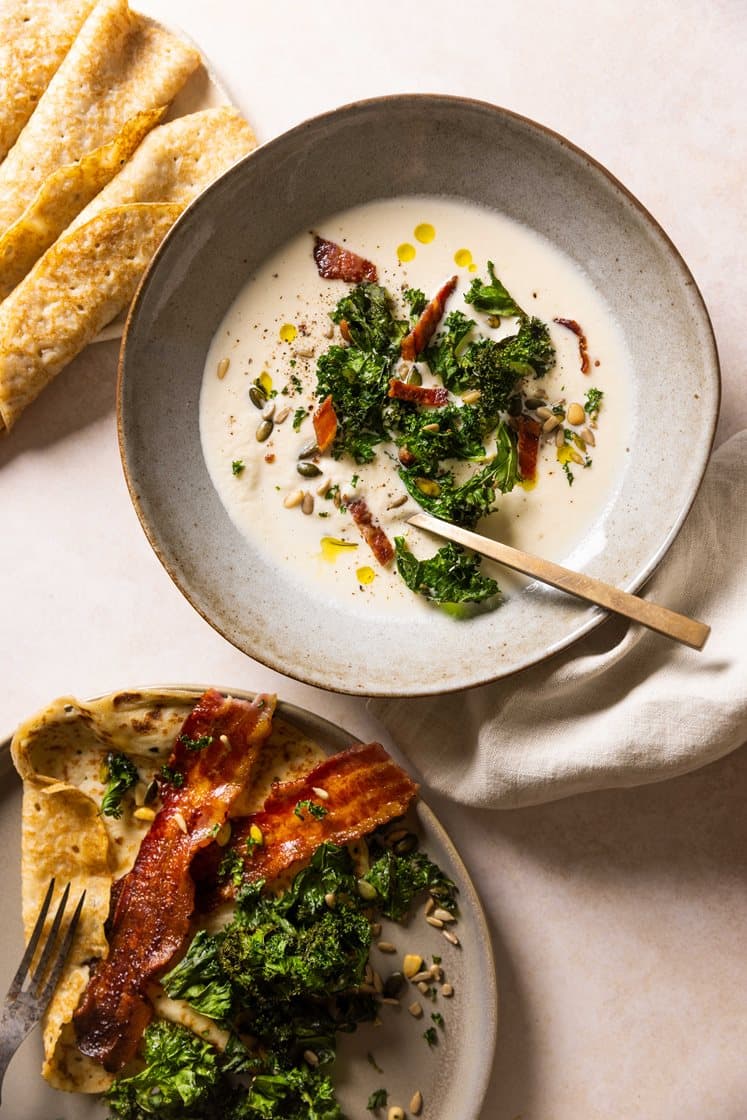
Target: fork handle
<point x="655" y="617"/>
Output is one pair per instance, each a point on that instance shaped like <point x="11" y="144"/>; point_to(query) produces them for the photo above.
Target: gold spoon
<point x="661" y="619"/>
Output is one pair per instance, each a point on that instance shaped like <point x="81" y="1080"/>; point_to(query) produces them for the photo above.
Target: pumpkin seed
<point x="406" y="845"/>
<point x="414" y="377"/>
<point x="258" y="397"/>
<point x="394" y="984"/>
<point x="533" y="403"/>
<point x="268" y="411"/>
<point x="308" y="470"/>
<point x="264" y="431"/>
<point x="222" y="369"/>
<point x="309" y="449"/>
<point x="307" y="505"/>
<point x="428" y="487"/>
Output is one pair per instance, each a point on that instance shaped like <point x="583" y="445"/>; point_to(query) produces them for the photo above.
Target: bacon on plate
<point x="528" y="447"/>
<point x="416" y="341"/>
<point x="430" y="396"/>
<point x="216" y="752"/>
<point x="371" y="531"/>
<point x="364" y="789"/>
<point x="335" y="263"/>
<point x="583" y="346"/>
<point x="325" y="424"/>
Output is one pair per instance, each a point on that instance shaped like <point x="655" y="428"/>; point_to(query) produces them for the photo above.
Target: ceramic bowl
<point x="395" y="146"/>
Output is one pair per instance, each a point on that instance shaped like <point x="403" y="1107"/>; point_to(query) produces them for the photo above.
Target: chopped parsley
<point x="197" y="744"/>
<point x="175" y="777"/>
<point x="120" y="775"/>
<point x="377" y="1100"/>
<point x="237" y="466"/>
<point x="437" y="1018"/>
<point x="311" y="807"/>
<point x="430" y="1036"/>
<point x="298" y="418"/>
<point x="593" y="402"/>
<point x="372" y="1062"/>
<point x="568" y="473"/>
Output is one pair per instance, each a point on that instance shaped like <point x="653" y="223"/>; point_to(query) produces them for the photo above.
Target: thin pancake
<point x="120" y="64"/>
<point x="80" y="284"/>
<point x="62" y="196"/>
<point x="35" y="36"/>
<point x="90" y="274"/>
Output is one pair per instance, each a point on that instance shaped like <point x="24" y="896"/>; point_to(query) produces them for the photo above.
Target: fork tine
<point x="62" y="954"/>
<point x="45" y="958"/>
<point x="17" y="981"/>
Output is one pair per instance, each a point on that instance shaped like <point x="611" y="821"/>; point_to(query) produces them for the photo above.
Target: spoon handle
<point x="661" y="619"/>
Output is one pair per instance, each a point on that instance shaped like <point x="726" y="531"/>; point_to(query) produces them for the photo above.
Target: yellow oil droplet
<point x="473" y="267"/>
<point x="365" y="575"/>
<point x="406" y="252"/>
<point x="463" y="258"/>
<point x="424" y="233"/>
<point x="332" y="547"/>
<point x="528" y="483"/>
<point x="287" y="332"/>
<point x="265" y="381"/>
<point x="564" y="454"/>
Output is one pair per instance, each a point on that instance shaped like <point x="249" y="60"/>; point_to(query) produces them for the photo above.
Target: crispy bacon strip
<point x="335" y="263"/>
<point x="416" y="341"/>
<point x="149" y="920"/>
<point x="528" y="447"/>
<point x="371" y="531"/>
<point x="430" y="396"/>
<point x="325" y="424"/>
<point x="365" y="789"/>
<point x="583" y="346"/>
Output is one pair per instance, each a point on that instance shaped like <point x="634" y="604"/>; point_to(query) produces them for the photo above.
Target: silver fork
<point x="24" y="1007"/>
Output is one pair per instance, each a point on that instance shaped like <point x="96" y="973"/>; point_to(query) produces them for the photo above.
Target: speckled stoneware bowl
<point x="410" y="144"/>
<point x="453" y="1076"/>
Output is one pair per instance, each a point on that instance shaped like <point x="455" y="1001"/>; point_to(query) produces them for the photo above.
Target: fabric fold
<point x="621" y="707"/>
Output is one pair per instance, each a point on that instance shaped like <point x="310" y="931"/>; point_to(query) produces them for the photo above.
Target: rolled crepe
<point x="62" y="195"/>
<point x="120" y="64"/>
<point x="35" y="36"/>
<point x="90" y="274"/>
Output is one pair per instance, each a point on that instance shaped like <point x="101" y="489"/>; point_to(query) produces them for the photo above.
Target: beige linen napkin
<point x="622" y="706"/>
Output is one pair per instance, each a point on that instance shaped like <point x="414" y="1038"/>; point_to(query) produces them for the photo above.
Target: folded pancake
<point x="62" y="196"/>
<point x="58" y="754"/>
<point x="120" y="64"/>
<point x="91" y="272"/>
<point x="35" y="36"/>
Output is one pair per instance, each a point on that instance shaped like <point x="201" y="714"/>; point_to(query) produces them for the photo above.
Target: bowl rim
<point x="595" y="616"/>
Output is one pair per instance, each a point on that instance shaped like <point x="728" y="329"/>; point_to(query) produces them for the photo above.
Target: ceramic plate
<point x="452" y="1076"/>
<point x="393" y="147"/>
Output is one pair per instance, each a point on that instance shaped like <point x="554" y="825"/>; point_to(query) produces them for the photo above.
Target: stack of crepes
<point x="90" y="180"/>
